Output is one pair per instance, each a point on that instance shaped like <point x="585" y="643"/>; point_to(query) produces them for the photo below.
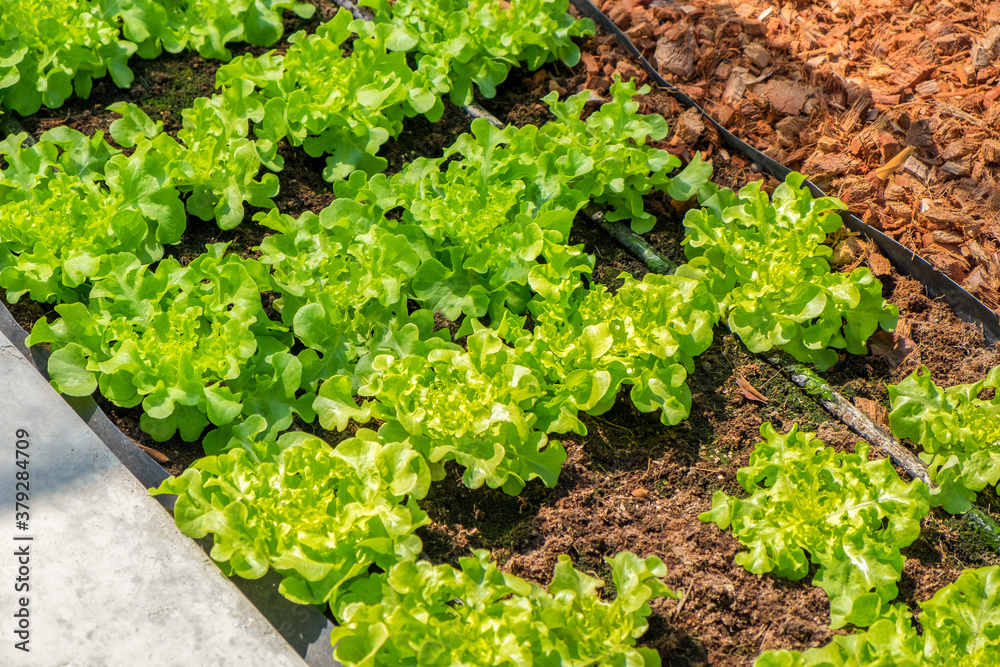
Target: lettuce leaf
<point x="61" y="227"/>
<point x="180" y="341"/>
<point x="52" y="50"/>
<point x="767" y="259"/>
<point x="464" y="43"/>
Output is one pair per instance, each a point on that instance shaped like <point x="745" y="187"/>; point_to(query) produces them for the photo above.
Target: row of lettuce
<point x="50" y="51"/>
<point x="481" y="237"/>
<point x="342" y="91"/>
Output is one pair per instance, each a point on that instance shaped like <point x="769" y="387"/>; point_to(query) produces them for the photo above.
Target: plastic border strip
<point x="965" y="305"/>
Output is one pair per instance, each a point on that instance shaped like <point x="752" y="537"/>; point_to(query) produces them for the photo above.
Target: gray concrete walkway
<point x="93" y="571"/>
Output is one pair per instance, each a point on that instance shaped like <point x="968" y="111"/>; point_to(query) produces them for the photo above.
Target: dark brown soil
<point x="631" y="483"/>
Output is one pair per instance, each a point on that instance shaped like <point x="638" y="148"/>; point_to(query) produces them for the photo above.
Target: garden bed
<point x="632" y="483"/>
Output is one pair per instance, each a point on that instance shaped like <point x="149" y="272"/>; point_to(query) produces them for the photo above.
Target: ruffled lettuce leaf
<point x="767" y="257"/>
<point x="318" y="516"/>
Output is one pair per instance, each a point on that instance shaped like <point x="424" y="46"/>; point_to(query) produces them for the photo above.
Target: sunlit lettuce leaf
<point x="52" y="50"/>
<point x="203" y="25"/>
<point x="768" y="254"/>
<point x="461" y="43"/>
<point x="184" y="342"/>
<point x="474" y="406"/>
<point x="343" y="278"/>
<point x="60" y="225"/>
<point x="334" y="104"/>
<point x="646" y="335"/>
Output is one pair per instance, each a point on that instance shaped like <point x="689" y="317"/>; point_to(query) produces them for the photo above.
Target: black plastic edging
<point x="304" y="627"/>
<point x="965" y="305"/>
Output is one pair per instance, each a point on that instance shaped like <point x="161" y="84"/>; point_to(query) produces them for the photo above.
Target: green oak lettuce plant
<point x="485" y="235"/>
<point x="958" y="431"/>
<point x="320" y="517"/>
<point x="212" y="163"/>
<point x="606" y="156"/>
<point x="204" y="26"/>
<point x="459" y="44"/>
<point x="272" y="388"/>
<point x="344" y="278"/>
<point x="55" y="240"/>
<point x="51" y="50"/>
<point x="766" y="260"/>
<point x="69" y="204"/>
<point x="175" y="340"/>
<point x="331" y="103"/>
<point x="810" y="504"/>
<point x="211" y="170"/>
<point x="646" y="334"/>
<point x="474" y="406"/>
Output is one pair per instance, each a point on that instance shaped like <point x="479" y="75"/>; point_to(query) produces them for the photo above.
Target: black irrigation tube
<point x="9" y="125"/>
<point x="356" y="11"/>
<point x="965" y="306"/>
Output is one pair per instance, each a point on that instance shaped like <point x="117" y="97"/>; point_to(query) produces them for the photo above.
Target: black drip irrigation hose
<point x="964" y="304"/>
<point x="634" y="243"/>
<point x="477" y="112"/>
